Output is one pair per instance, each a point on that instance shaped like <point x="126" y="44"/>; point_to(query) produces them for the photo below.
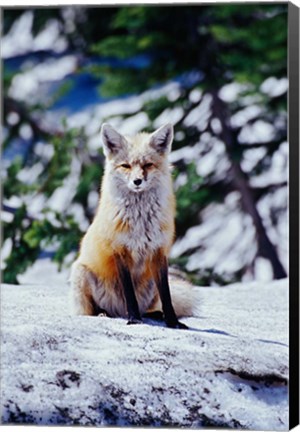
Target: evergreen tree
<point x="202" y="49"/>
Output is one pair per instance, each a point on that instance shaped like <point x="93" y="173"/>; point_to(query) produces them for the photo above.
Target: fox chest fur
<point x="140" y="223"/>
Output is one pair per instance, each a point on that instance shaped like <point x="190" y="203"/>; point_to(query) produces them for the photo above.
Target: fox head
<point x="139" y="162"/>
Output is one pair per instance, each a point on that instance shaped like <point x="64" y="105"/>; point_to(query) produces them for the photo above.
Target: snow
<point x="27" y="84"/>
<point x="25" y="131"/>
<point x="243" y="116"/>
<point x="263" y="269"/>
<point x="258" y="132"/>
<point x="229" y="369"/>
<point x="230" y="92"/>
<point x="251" y="158"/>
<point x="29" y="175"/>
<point x="213" y="240"/>
<point x="48" y="38"/>
<point x="134" y="124"/>
<point x="6" y="246"/>
<point x="275" y="87"/>
<point x="199" y="116"/>
<point x="63" y="195"/>
<point x="12" y="118"/>
<point x="195" y="95"/>
<point x="175" y="114"/>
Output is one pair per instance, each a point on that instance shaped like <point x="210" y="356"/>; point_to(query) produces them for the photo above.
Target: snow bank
<point x="229" y="370"/>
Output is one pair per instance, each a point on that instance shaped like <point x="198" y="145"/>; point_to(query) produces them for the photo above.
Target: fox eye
<point x="148" y="165"/>
<point x="125" y="166"/>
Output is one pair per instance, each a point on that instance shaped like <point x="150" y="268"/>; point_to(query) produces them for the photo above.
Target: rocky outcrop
<point x="230" y="369"/>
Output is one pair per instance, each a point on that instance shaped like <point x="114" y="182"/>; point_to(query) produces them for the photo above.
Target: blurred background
<point x="217" y="72"/>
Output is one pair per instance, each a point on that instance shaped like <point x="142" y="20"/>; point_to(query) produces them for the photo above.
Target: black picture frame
<point x="293" y="130"/>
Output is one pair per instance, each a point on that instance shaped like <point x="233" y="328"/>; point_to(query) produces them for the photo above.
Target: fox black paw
<point x="178" y="325"/>
<point x="101" y="312"/>
<point x="134" y="321"/>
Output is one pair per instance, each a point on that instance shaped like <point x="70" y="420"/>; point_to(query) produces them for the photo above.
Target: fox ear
<point x="162" y="138"/>
<point x="112" y="140"/>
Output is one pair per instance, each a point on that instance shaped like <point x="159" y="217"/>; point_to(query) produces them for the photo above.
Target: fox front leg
<point x="133" y="312"/>
<point x="160" y="264"/>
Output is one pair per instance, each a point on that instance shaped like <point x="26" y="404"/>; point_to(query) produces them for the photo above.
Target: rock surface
<point x="229" y="370"/>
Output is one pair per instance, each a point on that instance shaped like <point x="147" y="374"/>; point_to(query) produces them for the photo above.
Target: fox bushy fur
<point x="122" y="267"/>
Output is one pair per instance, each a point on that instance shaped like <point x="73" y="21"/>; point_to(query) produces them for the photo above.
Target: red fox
<point x="122" y="268"/>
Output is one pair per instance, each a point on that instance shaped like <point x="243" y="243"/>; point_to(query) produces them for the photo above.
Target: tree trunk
<point x="240" y="182"/>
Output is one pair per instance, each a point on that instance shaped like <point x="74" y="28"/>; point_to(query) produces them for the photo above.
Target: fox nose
<point x="137" y="182"/>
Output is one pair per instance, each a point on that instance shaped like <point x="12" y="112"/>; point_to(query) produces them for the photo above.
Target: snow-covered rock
<point x="230" y="369"/>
